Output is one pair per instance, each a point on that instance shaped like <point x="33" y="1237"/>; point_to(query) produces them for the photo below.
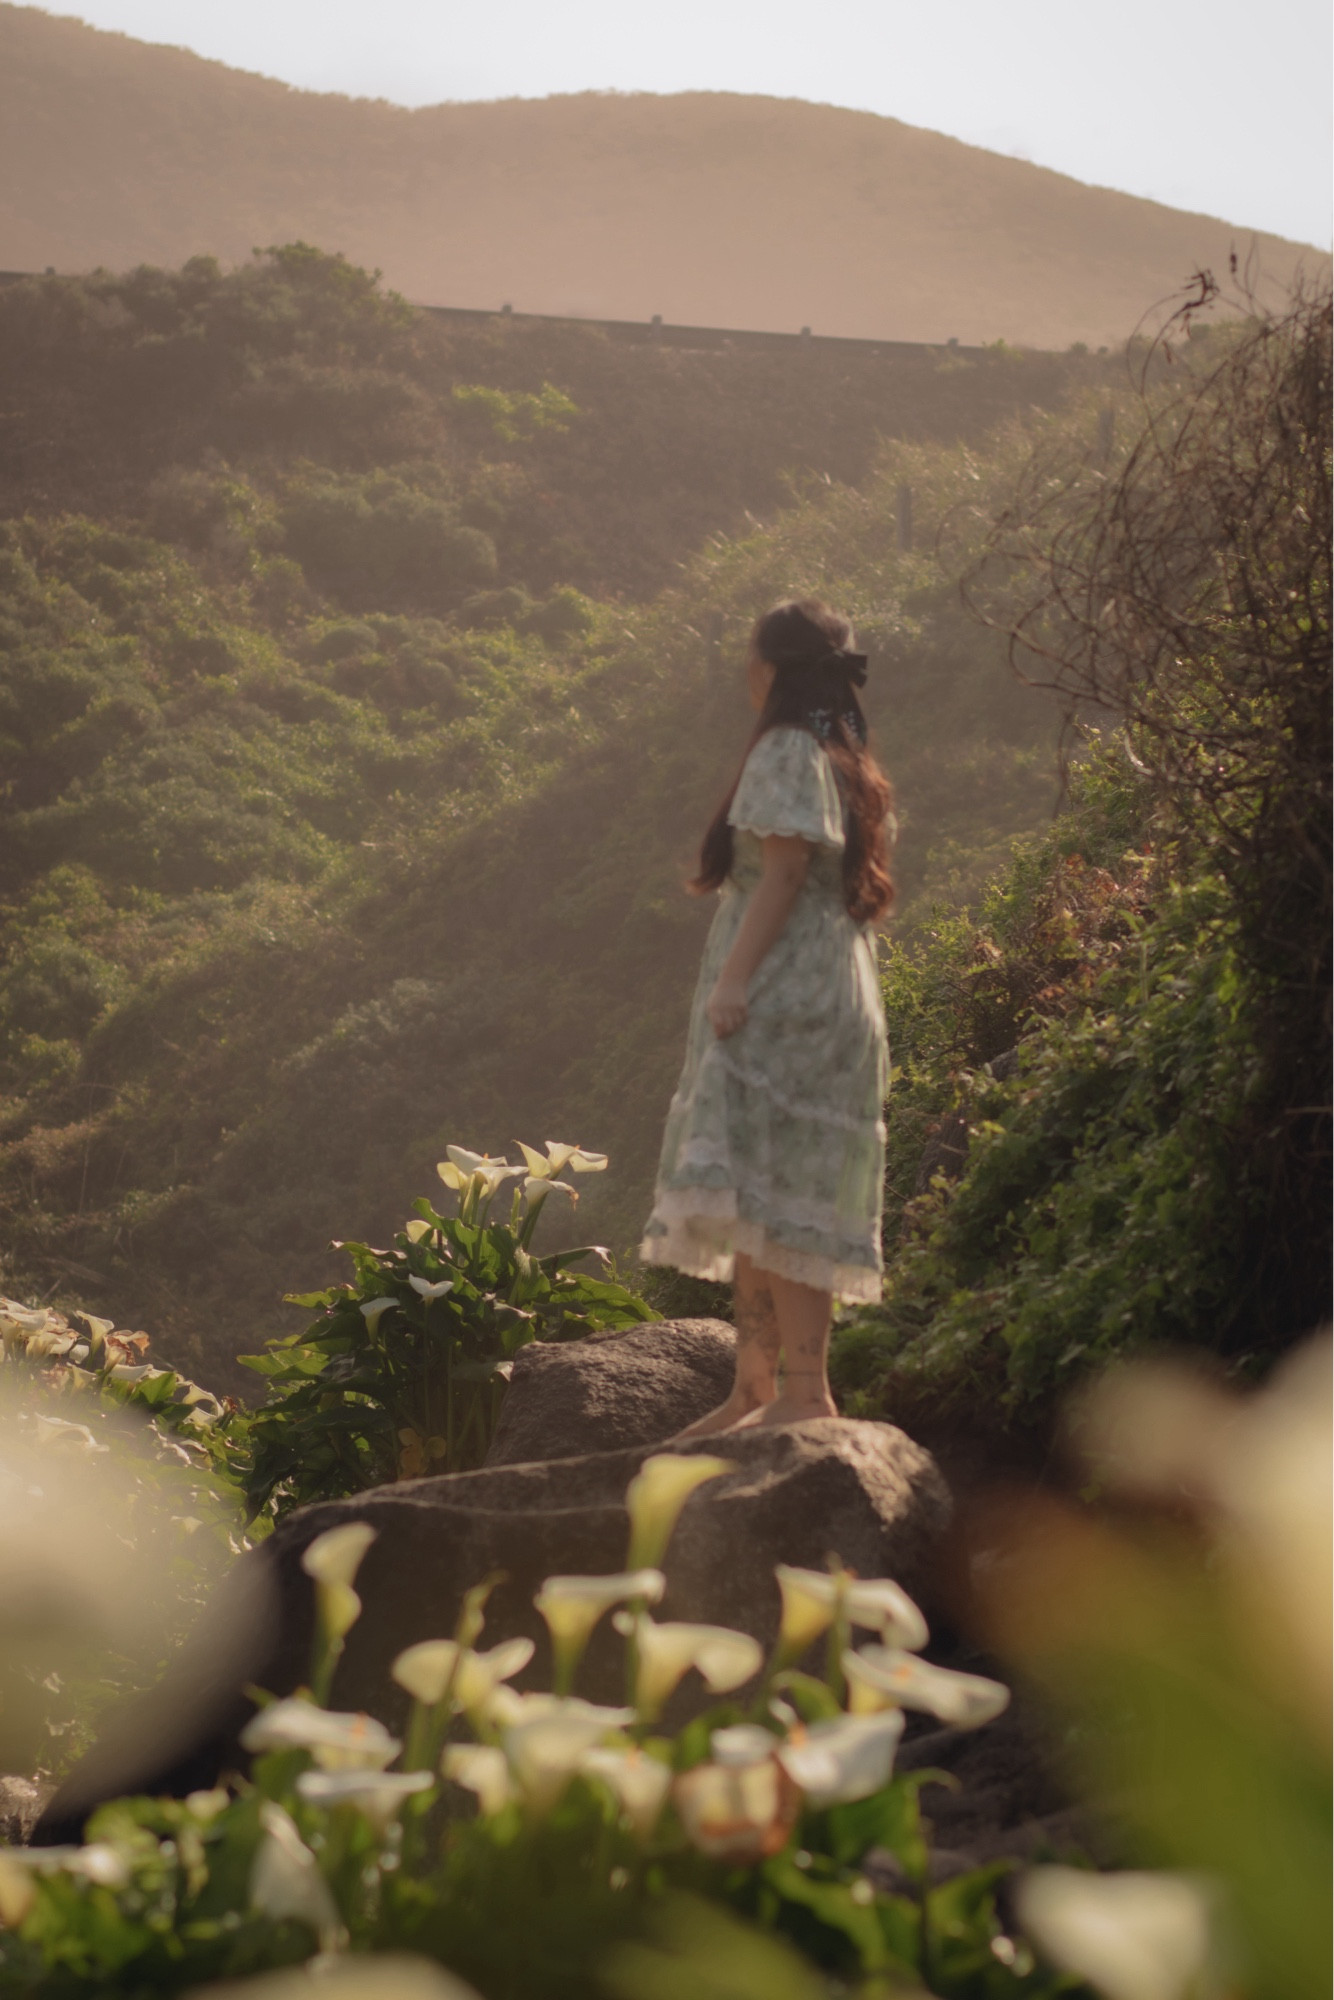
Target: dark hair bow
<point x="852" y="664"/>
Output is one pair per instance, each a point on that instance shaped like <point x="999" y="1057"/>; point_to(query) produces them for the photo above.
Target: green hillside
<point x="360" y="722"/>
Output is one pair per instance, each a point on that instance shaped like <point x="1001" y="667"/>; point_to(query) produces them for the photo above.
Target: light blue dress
<point x="775" y="1140"/>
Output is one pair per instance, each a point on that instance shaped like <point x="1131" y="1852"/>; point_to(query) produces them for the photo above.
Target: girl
<point x="773" y="1156"/>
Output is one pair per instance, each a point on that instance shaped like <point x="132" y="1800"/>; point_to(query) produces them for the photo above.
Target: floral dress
<point x="775" y="1141"/>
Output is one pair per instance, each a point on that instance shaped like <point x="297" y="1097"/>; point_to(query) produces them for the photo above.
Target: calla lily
<point x="427" y="1669"/>
<point x="66" y="1436"/>
<point x="558" y="1156"/>
<point x="742" y="1743"/>
<point x="1135" y="1936"/>
<point x="879" y="1676"/>
<point x="336" y="1555"/>
<point x="656" y="1495"/>
<point x="338" y="1742"/>
<point x="463" y="1166"/>
<point x="374" y="1310"/>
<point x="378" y="1794"/>
<point x="414" y="1231"/>
<point x="482" y="1769"/>
<point x="547" y="1745"/>
<point x="285" y="1878"/>
<point x="332" y="1560"/>
<point x="18" y="1892"/>
<point x="844" y="1759"/>
<point x="427" y="1290"/>
<point x="665" y="1653"/>
<point x="572" y="1606"/>
<point x="738" y="1814"/>
<point x="361" y="1975"/>
<point x="639" y="1784"/>
<point x="813" y="1599"/>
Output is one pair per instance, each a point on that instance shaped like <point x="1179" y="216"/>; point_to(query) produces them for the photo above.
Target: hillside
<point x="707" y="208"/>
<point x="360" y="731"/>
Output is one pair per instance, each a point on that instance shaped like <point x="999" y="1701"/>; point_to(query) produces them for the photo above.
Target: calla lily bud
<point x="572" y="1606"/>
<point x="1134" y="1936"/>
<point x="656" y="1495"/>
<point x="901" y="1679"/>
<point x="845" y="1759"/>
<point x="374" y="1310"/>
<point x="639" y="1784"/>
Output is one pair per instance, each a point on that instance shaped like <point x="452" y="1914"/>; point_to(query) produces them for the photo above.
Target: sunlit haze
<point x="1224" y="109"/>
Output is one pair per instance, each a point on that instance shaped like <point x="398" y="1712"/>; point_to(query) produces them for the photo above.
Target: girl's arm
<point x="787" y="857"/>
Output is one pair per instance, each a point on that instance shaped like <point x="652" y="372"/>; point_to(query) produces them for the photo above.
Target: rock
<point x="566" y="1399"/>
<point x="21" y="1802"/>
<point x="798" y="1494"/>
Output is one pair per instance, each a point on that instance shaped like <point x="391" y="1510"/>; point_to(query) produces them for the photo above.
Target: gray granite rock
<point x="799" y="1494"/>
<point x="566" y="1399"/>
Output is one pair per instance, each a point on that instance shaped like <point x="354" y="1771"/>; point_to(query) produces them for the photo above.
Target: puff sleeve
<point x="788" y="786"/>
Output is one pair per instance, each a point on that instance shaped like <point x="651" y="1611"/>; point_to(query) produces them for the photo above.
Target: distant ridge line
<point x="656" y="332"/>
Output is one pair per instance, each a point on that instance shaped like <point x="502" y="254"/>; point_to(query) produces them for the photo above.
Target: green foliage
<point x="515" y="414"/>
<point x="1106" y="1202"/>
<point x="404" y="1370"/>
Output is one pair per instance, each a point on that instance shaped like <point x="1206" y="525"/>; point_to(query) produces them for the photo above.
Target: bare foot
<point x="786" y="1409"/>
<point x="727" y="1417"/>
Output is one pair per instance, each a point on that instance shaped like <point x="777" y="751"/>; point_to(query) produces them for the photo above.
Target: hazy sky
<point x="1222" y="106"/>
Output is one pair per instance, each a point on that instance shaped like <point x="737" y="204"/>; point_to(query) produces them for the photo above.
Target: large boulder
<point x="863" y="1492"/>
<point x="613" y="1390"/>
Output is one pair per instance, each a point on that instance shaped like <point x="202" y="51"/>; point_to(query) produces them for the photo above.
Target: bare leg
<point x="804" y="1316"/>
<point x="757" y="1347"/>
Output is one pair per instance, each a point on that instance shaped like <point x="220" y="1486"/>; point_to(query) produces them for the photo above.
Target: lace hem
<point x="697" y="1230"/>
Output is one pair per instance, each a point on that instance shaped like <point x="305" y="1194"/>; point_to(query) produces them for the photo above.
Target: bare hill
<point x="708" y="208"/>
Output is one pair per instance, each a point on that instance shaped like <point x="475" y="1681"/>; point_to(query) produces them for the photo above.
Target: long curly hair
<point x="815" y="682"/>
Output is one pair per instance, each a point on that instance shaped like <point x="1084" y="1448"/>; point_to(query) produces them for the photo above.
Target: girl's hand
<point x="726" y="1007"/>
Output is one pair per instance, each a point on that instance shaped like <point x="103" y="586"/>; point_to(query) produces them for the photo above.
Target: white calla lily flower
<point x="847" y="1758"/>
<point x="66" y="1436"/>
<point x="338" y="1742"/>
<point x="378" y="1794"/>
<point x="374" y="1310"/>
<point x="736" y="1813"/>
<point x="336" y="1555"/>
<point x="426" y="1290"/>
<point x="483" y="1769"/>
<point x="880" y="1675"/>
<point x="476" y="1165"/>
<point x="1134" y="1936"/>
<point x="332" y="1561"/>
<point x="666" y="1653"/>
<point x="361" y="1975"/>
<point x="572" y="1606"/>
<point x="285" y="1878"/>
<point x="742" y="1743"/>
<point x="656" y="1495"/>
<point x="638" y="1782"/>
<point x="547" y="1745"/>
<point x="427" y="1669"/>
<point x="414" y="1231"/>
<point x="813" y="1599"/>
